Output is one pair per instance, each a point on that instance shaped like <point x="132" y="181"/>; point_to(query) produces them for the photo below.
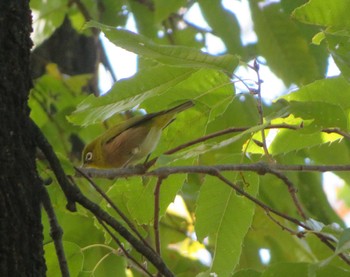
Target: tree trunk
<point x="21" y="250"/>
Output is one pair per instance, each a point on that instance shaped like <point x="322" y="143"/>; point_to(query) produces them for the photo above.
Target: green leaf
<point x="128" y="93"/>
<point x="219" y="19"/>
<point x="326" y="13"/>
<point x="287" y="270"/>
<point x="163" y="9"/>
<point x="314" y="199"/>
<point x="330" y="270"/>
<point x="298" y="140"/>
<point x="339" y="48"/>
<point x="225" y="217"/>
<point x="137" y="195"/>
<point x="73" y="255"/>
<point x="48" y="18"/>
<point x="113" y="12"/>
<point x="334" y="91"/>
<point x="144" y="18"/>
<point x="322" y="114"/>
<point x="210" y="89"/>
<point x="282" y="44"/>
<point x="344" y="241"/>
<point x="247" y="273"/>
<point x="171" y="55"/>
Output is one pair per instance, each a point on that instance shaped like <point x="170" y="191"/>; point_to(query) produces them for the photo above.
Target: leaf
<point x="219" y="19"/>
<point x="334" y="91"/>
<point x="128" y="93"/>
<point x="344" y="241"/>
<point x="314" y="199"/>
<point x="48" y="18"/>
<point x="326" y="13"/>
<point x="163" y="9"/>
<point x="322" y="114"/>
<point x="213" y="146"/>
<point x="339" y="48"/>
<point x="247" y="273"/>
<point x="207" y="87"/>
<point x="225" y="217"/>
<point x="112" y="12"/>
<point x="171" y="55"/>
<point x="139" y="197"/>
<point x="284" y="47"/>
<point x="298" y="140"/>
<point x="73" y="255"/>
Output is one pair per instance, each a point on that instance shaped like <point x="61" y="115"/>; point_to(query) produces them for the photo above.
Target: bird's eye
<point x="88" y="157"/>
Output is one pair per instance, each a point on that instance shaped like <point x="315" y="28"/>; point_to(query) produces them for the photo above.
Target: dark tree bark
<point x="21" y="249"/>
<point x="74" y="54"/>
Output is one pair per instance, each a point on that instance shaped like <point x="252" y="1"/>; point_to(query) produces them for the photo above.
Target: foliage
<point x="294" y="39"/>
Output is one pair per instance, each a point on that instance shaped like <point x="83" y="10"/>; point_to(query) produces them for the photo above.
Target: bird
<point x="127" y="143"/>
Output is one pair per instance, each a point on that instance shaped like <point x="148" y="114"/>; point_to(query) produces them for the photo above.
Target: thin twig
<point x="260" y="109"/>
<point x="217" y="174"/>
<point x="323" y="238"/>
<point x="121" y="246"/>
<point x="55" y="232"/>
<point x="338" y="131"/>
<point x="118" y="227"/>
<point x="292" y="191"/>
<point x="114" y="206"/>
<point x="281" y="225"/>
<point x="227" y="131"/>
<point x="156" y="214"/>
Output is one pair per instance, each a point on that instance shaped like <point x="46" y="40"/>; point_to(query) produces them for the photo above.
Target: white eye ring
<point x="88" y="157"/>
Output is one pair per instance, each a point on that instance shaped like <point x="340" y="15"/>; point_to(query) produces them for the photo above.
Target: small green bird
<point x="130" y="141"/>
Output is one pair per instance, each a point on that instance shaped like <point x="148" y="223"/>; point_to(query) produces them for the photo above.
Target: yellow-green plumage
<point x="127" y="143"/>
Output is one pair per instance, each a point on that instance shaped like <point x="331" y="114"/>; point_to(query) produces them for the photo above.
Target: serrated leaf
<point x="322" y="114"/>
<point x="288" y="140"/>
<point x="225" y="217"/>
<point x="212" y="146"/>
<point x="339" y="47"/>
<point x="171" y="55"/>
<point x="219" y="19"/>
<point x="326" y="13"/>
<point x="334" y="91"/>
<point x="283" y="45"/>
<point x="128" y="93"/>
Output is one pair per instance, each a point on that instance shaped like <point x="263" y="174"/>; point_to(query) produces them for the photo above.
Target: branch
<point x="118" y="227"/>
<point x="268" y="209"/>
<point x="336" y="130"/>
<point x="260" y="109"/>
<point x="260" y="168"/>
<point x="291" y="190"/>
<point x="110" y="202"/>
<point x="217" y="174"/>
<point x="55" y="232"/>
<point x="73" y="195"/>
<point x="156" y="214"/>
<point x="125" y="252"/>
<point x="51" y="157"/>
